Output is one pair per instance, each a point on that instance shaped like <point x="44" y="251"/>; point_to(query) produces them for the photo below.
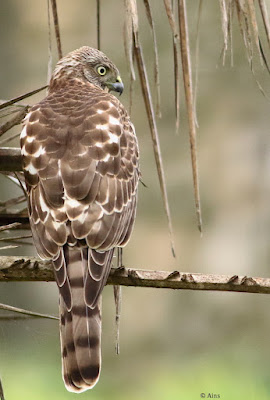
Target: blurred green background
<point x="174" y="344"/>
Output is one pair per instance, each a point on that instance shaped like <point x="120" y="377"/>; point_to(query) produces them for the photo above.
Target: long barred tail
<point x="81" y="353"/>
<point x="80" y="325"/>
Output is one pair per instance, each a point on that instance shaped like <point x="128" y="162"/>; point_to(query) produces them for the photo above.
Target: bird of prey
<point x="81" y="166"/>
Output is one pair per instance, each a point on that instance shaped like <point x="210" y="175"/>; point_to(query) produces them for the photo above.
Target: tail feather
<point x="80" y="325"/>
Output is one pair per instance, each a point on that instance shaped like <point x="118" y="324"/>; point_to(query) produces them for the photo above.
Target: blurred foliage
<point x="174" y="345"/>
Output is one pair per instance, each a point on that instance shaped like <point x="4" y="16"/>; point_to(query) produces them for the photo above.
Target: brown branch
<point x="10" y="159"/>
<point x="28" y="313"/>
<point x="56" y="26"/>
<point x="10" y="226"/>
<point x="33" y="269"/>
<point x="22" y="97"/>
<point x="11" y="218"/>
<point x="98" y="23"/>
<point x="16" y="120"/>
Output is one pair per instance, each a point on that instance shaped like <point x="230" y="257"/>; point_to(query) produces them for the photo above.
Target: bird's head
<point x="88" y="64"/>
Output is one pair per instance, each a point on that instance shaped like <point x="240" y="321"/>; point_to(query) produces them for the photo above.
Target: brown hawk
<point x="80" y="160"/>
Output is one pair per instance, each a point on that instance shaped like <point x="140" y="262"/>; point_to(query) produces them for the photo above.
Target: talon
<point x="190" y="278"/>
<point x="26" y="263"/>
<point x="122" y="268"/>
<point x="183" y="277"/>
<point x="248" y="280"/>
<point x="133" y="274"/>
<point x="187" y="278"/>
<point x="119" y="270"/>
<point x="18" y="262"/>
<point x="233" y="279"/>
<point x="173" y="275"/>
<point x="35" y="265"/>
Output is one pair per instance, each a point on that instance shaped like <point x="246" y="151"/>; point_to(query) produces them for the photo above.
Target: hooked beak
<point x="117" y="86"/>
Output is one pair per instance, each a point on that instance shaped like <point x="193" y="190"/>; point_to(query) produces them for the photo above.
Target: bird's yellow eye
<point x="102" y="70"/>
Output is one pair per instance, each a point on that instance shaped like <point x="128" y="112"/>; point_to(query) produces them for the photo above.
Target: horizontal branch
<point x="10" y="159"/>
<point x="12" y="218"/>
<point x="33" y="269"/>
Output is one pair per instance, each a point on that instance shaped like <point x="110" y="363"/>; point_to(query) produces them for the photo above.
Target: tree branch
<point x="22" y="97"/>
<point x="16" y="120"/>
<point x="33" y="269"/>
<point x="57" y="29"/>
<point x="13" y="218"/>
<point x="10" y="159"/>
<point x="26" y="313"/>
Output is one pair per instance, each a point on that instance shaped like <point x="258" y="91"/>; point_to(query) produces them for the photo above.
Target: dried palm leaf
<point x="197" y="60"/>
<point x="224" y="24"/>
<point x="154" y="133"/>
<point x="156" y="65"/>
<point x="176" y="61"/>
<point x="186" y="66"/>
<point x="265" y="18"/>
<point x="49" y="70"/>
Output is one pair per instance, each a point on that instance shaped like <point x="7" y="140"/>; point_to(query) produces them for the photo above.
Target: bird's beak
<point x="117" y="86"/>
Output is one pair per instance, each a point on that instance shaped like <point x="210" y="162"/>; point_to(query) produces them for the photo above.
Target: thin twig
<point x="56" y="27"/>
<point x="49" y="70"/>
<point x="16" y="120"/>
<point x="9" y="138"/>
<point x="9" y="111"/>
<point x="98" y="23"/>
<point x="26" y="312"/>
<point x="9" y="226"/>
<point x="15" y="317"/>
<point x="117" y="291"/>
<point x="13" y="176"/>
<point x="12" y="238"/>
<point x="2" y="397"/>
<point x="19" y="98"/>
<point x="11" y="202"/>
<point x="8" y="247"/>
<point x="22" y="184"/>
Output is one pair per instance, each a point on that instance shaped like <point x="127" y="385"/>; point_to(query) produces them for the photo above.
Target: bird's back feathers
<point x="80" y="160"/>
